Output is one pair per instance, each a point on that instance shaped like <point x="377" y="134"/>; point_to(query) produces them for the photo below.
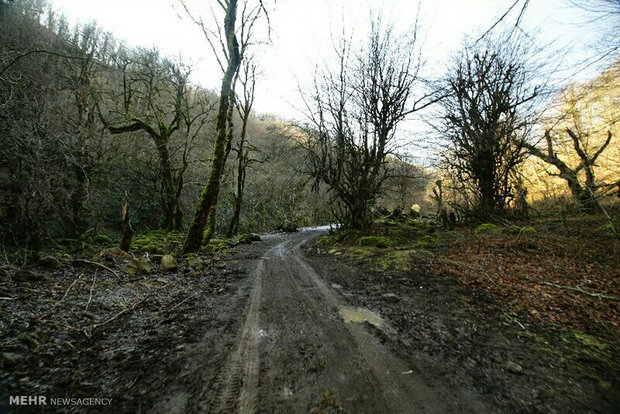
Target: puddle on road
<point x="359" y="315"/>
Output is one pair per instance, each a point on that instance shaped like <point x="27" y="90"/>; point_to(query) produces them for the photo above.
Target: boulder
<point x="169" y="263"/>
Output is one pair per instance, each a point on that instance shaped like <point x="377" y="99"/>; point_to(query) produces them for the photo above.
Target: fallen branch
<point x="6" y="298"/>
<point x="90" y="296"/>
<point x="575" y="289"/>
<point x="99" y="265"/>
<point x="182" y="302"/>
<point x="113" y="318"/>
<point x="67" y="292"/>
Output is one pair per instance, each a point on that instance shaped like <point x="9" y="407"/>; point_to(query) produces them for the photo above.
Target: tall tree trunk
<point x="210" y="225"/>
<point x="582" y="196"/>
<point x="210" y="192"/>
<point x="172" y="219"/>
<point x="79" y="199"/>
<point x="212" y="221"/>
<point x="242" y="157"/>
<point x="233" y="227"/>
<point x="127" y="231"/>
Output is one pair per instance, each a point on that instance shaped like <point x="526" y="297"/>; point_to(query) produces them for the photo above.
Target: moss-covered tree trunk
<point x="233" y="227"/>
<point x="210" y="192"/>
<point x="127" y="231"/>
<point x="172" y="213"/>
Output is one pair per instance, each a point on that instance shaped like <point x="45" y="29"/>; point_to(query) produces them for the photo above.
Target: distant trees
<point x="485" y="120"/>
<point x="577" y="138"/>
<point x="154" y="96"/>
<point x="354" y="110"/>
<point x="58" y="168"/>
<point x="247" y="79"/>
<point x="65" y="171"/>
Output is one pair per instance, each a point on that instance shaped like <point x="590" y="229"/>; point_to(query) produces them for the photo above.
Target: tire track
<point x="238" y="382"/>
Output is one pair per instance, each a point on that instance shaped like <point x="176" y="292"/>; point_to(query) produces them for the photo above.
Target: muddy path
<point x="285" y="325"/>
<point x="294" y="352"/>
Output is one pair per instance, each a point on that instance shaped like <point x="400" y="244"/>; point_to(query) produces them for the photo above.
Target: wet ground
<point x="274" y="328"/>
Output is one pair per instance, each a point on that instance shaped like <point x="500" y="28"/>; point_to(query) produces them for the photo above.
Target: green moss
<point x="486" y="228"/>
<point x="374" y="241"/>
<point x="193" y="260"/>
<point x="608" y="229"/>
<point x="527" y="230"/>
<point x="220" y="244"/>
<point x="157" y="241"/>
<point x="427" y="241"/>
<point x="590" y="341"/>
<point x="102" y="238"/>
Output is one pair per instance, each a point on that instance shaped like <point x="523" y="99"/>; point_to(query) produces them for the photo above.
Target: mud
<point x="274" y="329"/>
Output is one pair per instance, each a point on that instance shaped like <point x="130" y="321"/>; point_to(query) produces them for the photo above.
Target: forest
<point x="135" y="204"/>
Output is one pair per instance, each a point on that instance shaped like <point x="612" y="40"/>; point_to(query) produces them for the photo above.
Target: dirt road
<point x="296" y="353"/>
<point x="287" y="326"/>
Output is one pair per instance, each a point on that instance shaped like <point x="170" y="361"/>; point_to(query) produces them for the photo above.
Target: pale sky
<point x="301" y="32"/>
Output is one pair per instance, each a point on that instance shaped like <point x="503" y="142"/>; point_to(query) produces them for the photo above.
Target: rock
<point x="143" y="265"/>
<point x="513" y="367"/>
<point x="390" y="297"/>
<point x="131" y="268"/>
<point x="49" y="262"/>
<point x="169" y="263"/>
<point x="24" y="275"/>
<point x="9" y="359"/>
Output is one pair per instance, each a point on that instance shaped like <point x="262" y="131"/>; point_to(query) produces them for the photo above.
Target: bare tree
<point x="229" y="51"/>
<point x="82" y="126"/>
<point x="354" y="112"/>
<point x="154" y="100"/>
<point x="584" y="193"/>
<point x="485" y="120"/>
<point x="244" y="108"/>
<point x="579" y="133"/>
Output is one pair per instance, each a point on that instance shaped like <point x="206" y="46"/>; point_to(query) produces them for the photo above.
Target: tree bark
<point x="210" y="192"/>
<point x="172" y="214"/>
<point x="127" y="234"/>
